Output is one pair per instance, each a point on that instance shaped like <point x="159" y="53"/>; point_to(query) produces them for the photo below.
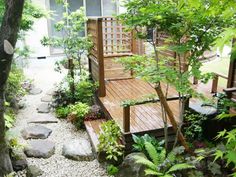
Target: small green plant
<point x="193" y="129"/>
<point x="85" y="91"/>
<point x="140" y="143"/>
<point x="62" y="112"/>
<point x="77" y="114"/>
<point x="227" y="151"/>
<point x="14" y="84"/>
<point x="161" y="164"/>
<point x="112" y="170"/>
<point x="9" y="120"/>
<point x="109" y="141"/>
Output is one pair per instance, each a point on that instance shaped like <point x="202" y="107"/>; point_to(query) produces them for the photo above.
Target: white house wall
<point x="41" y="29"/>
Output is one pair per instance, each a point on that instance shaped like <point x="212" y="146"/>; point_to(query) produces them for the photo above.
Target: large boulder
<point x="40" y="149"/>
<point x="129" y="168"/>
<point x="36" y="132"/>
<point x="79" y="150"/>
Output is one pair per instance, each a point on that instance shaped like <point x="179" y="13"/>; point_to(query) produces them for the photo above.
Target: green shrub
<point x="194" y="126"/>
<point x="112" y="170"/>
<point x="62" y="112"/>
<point x="139" y="143"/>
<point x="14" y="84"/>
<point x="109" y="141"/>
<point x="85" y="91"/>
<point x="78" y="112"/>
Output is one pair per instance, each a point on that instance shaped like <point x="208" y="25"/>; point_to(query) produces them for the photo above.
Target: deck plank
<point x="143" y="117"/>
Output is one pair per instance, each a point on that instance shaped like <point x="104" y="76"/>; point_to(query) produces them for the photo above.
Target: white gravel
<point x="44" y="76"/>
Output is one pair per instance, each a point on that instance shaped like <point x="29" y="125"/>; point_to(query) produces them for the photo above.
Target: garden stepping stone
<point x="46" y="98"/>
<point x="44" y="120"/>
<point x="40" y="149"/>
<point x="36" y="132"/>
<point x="43" y="108"/>
<point x="35" y="91"/>
<point x="51" y="92"/>
<point x="79" y="150"/>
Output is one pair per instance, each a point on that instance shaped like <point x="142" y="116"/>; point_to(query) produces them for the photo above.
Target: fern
<point x="152" y="152"/>
<point x="178" y="167"/>
<point x="146" y="162"/>
<point x="152" y="172"/>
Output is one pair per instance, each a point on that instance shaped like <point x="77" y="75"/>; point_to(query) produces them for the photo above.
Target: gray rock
<point x="35" y="91"/>
<point x="43" y="108"/>
<point x="44" y="120"/>
<point x="51" y="92"/>
<point x="46" y="98"/>
<point x="18" y="160"/>
<point x="33" y="171"/>
<point x="79" y="150"/>
<point x="203" y="109"/>
<point x="130" y="168"/>
<point x="36" y="132"/>
<point x="21" y="104"/>
<point x="40" y="149"/>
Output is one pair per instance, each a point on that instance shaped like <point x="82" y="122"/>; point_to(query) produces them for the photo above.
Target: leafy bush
<point x="9" y="120"/>
<point x="14" y="84"/>
<point x="140" y="143"/>
<point x="193" y="129"/>
<point x="62" y="112"/>
<point x="77" y="113"/>
<point x="112" y="170"/>
<point x="95" y="113"/>
<point x="85" y="91"/>
<point x="160" y="163"/>
<point x="109" y="141"/>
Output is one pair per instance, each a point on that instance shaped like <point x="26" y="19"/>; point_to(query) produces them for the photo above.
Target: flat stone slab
<point x="43" y="108"/>
<point x="203" y="109"/>
<point x="35" y="91"/>
<point x="45" y="120"/>
<point x="36" y="132"/>
<point x="51" y="92"/>
<point x="46" y="98"/>
<point x="40" y="149"/>
<point x="79" y="150"/>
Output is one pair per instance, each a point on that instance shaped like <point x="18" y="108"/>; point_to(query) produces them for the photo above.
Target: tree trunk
<point x="9" y="30"/>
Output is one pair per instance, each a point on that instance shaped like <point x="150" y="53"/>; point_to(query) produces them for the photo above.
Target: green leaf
<point x="218" y="154"/>
<point x="182" y="166"/>
<point x="146" y="162"/>
<point x="152" y="172"/>
<point x="152" y="152"/>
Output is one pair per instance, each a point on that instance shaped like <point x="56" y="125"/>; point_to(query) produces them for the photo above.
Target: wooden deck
<point x="143" y="118"/>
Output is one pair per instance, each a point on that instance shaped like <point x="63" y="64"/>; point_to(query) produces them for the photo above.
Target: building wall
<point x="43" y="27"/>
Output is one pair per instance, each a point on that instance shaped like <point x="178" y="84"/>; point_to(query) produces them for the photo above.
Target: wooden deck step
<point x="93" y="128"/>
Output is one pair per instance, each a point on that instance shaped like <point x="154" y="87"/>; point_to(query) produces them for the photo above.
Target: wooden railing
<point x="110" y="40"/>
<point x="215" y="81"/>
<point x="126" y="109"/>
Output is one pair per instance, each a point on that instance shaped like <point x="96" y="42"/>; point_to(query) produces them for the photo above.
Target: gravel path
<point x="44" y="76"/>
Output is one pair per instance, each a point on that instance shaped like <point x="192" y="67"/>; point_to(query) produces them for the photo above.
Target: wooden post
<point x="215" y="84"/>
<point x="171" y="117"/>
<point x="126" y="119"/>
<point x="102" y="89"/>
